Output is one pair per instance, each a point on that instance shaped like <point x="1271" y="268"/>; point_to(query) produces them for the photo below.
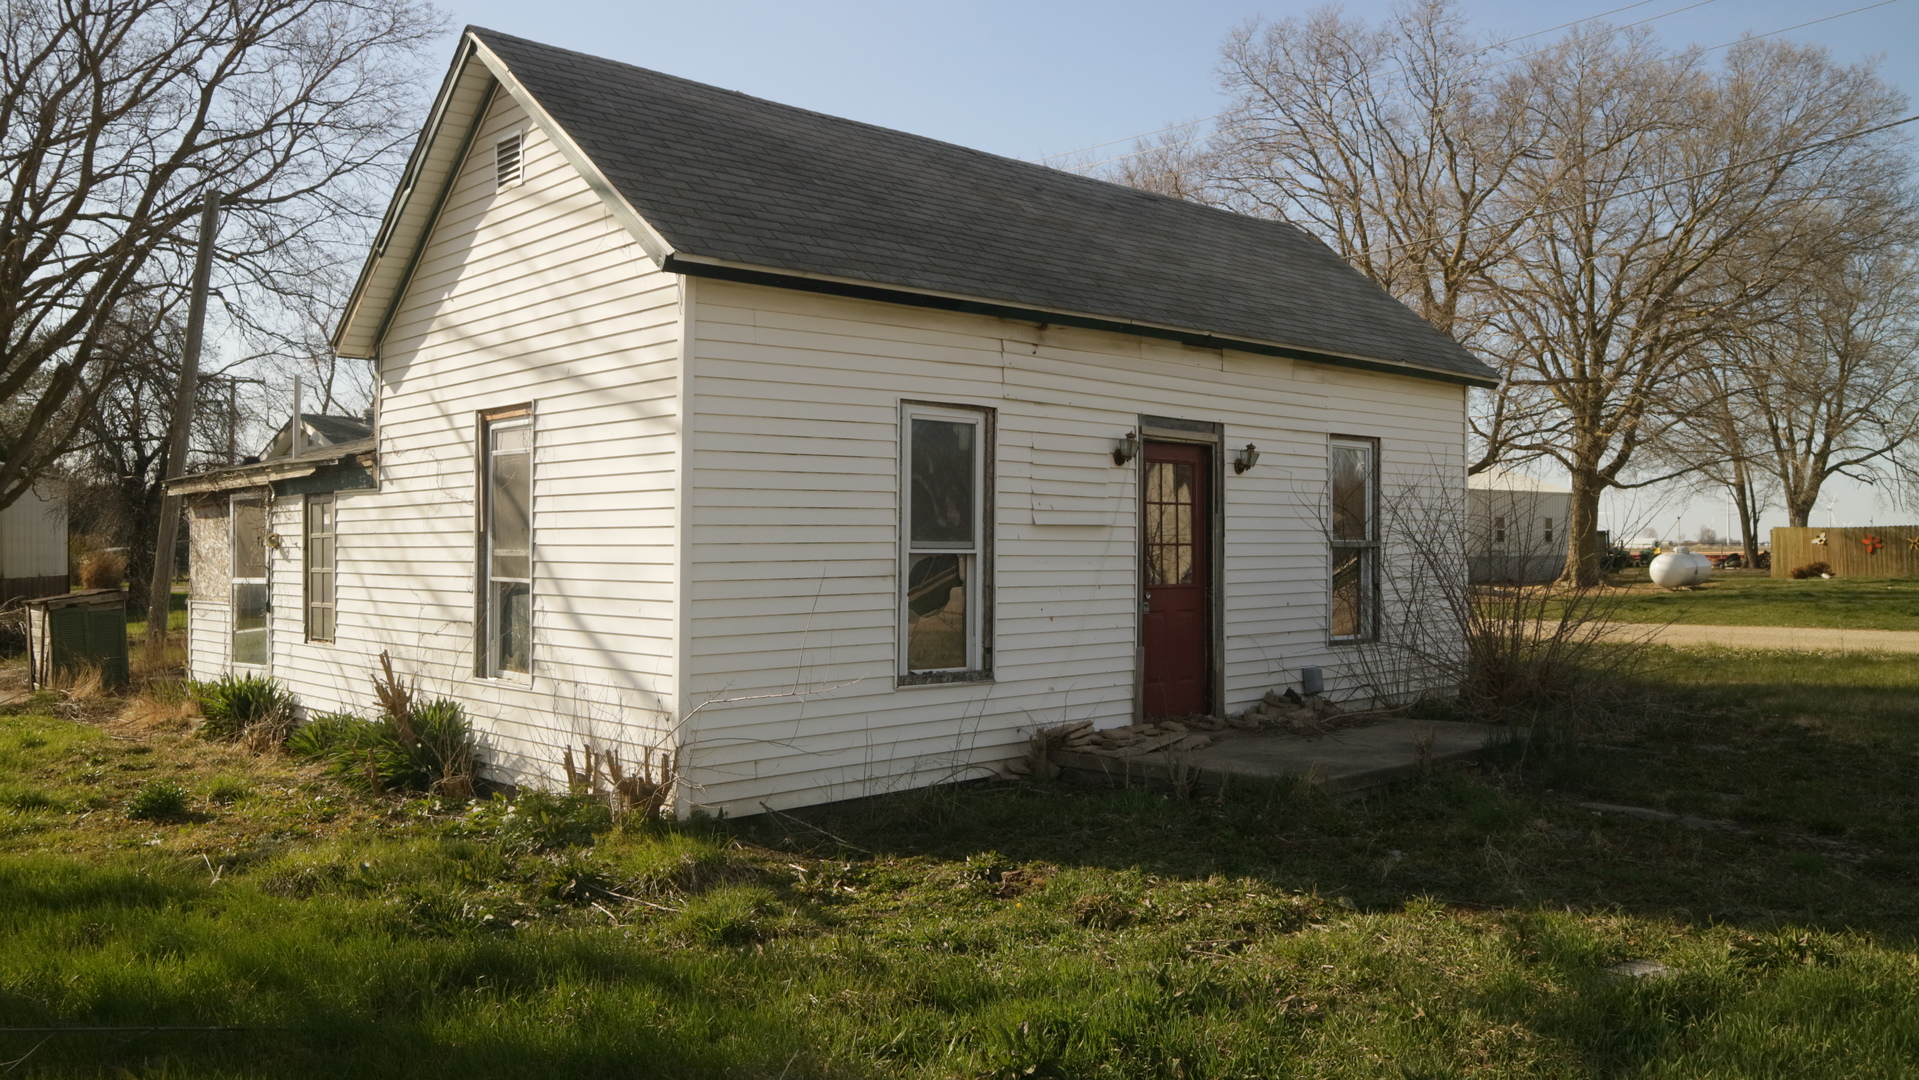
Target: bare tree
<point x="1396" y="145"/>
<point x="1833" y="385"/>
<point x="115" y="117"/>
<point x="1668" y="199"/>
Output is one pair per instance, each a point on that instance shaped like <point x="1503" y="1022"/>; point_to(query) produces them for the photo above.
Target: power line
<point x="1675" y="11"/>
<point x="1044" y="158"/>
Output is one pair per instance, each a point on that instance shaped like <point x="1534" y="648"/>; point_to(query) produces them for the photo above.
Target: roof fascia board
<point x="402" y="199"/>
<point x="645" y="235"/>
<point x="418" y="251"/>
<point x="804" y="281"/>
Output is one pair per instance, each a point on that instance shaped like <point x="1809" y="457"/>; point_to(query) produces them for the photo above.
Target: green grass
<point x="1753" y="600"/>
<point x="1461" y="926"/>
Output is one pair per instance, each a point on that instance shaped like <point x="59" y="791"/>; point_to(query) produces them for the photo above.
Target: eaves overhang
<point x="773" y="277"/>
<point x="262" y="473"/>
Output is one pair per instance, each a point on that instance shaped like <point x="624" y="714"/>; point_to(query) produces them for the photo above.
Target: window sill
<point x="923" y="680"/>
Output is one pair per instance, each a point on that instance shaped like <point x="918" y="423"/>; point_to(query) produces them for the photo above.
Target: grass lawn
<point x="1465" y="925"/>
<point x="1752" y="599"/>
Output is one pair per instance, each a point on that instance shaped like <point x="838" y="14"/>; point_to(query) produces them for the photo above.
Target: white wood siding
<point x="529" y="294"/>
<point x="792" y="530"/>
<point x="33" y="537"/>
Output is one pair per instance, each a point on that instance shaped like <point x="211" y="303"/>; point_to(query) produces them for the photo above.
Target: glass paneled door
<point x="1176" y="552"/>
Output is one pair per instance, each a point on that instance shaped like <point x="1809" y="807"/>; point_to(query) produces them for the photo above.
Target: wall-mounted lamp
<point x="1126" y="449"/>
<point x="1247" y="458"/>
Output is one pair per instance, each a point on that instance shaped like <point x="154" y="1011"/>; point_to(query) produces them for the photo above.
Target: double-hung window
<point x="506" y="544"/>
<point x="251" y="607"/>
<point x="1355" y="539"/>
<point x="946" y="543"/>
<point x="320" y="554"/>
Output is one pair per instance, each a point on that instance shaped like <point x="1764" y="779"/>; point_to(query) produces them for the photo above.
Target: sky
<point x="1042" y="78"/>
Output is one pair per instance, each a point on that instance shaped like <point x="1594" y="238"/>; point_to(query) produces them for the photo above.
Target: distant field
<point x="1739" y="599"/>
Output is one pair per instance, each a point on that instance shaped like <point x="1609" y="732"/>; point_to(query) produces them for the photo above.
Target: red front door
<point x="1177" y="575"/>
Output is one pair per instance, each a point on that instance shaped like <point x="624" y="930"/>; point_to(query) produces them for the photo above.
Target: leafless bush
<point x="647" y="792"/>
<point x="1509" y="650"/>
<point x="103" y="570"/>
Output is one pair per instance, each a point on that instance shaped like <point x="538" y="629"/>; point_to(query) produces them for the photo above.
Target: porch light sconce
<point x="1247" y="458"/>
<point x="1127" y="449"/>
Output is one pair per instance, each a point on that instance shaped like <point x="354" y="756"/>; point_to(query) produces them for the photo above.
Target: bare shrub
<point x="647" y="792"/>
<point x="1507" y="651"/>
<point x="103" y="570"/>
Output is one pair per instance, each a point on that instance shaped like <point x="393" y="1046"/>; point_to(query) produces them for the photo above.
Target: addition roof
<point x="717" y="183"/>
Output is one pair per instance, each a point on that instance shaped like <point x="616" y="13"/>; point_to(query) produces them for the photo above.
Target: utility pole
<point x="160" y="589"/>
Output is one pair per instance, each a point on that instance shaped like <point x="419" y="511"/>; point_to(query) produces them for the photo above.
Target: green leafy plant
<point x="413" y="746"/>
<point x="251" y="709"/>
<point x="323" y="735"/>
<point x="159" y="800"/>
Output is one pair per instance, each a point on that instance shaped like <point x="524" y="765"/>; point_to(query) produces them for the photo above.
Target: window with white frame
<point x="247" y="546"/>
<point x="506" y="544"/>
<point x="1499" y="530"/>
<point x="320" y="554"/>
<point x="1355" y="539"/>
<point x="1549" y="529"/>
<point x="946" y="543"/>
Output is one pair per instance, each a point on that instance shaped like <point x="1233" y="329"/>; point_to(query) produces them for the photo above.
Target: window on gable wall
<point x="250" y="608"/>
<point x="945" y="556"/>
<point x="320" y="554"/>
<point x="1499" y="530"/>
<point x="506" y="544"/>
<point x="1549" y="530"/>
<point x="1355" y="539"/>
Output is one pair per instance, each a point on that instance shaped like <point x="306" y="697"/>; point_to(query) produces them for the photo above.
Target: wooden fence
<point x="1878" y="551"/>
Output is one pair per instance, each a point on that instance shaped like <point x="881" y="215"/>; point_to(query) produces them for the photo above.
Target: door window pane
<point x="1170" y="537"/>
<point x="249" y="624"/>
<point x="943" y="482"/>
<point x="249" y="538"/>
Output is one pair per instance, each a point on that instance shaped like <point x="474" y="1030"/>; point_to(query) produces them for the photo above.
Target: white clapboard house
<point x="834" y="457"/>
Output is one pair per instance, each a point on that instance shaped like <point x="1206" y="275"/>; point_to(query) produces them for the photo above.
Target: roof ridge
<point x="1039" y="168"/>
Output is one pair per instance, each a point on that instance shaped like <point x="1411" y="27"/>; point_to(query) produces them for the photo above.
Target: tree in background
<point x="1831" y="385"/>
<point x="1591" y="216"/>
<point x="116" y="116"/>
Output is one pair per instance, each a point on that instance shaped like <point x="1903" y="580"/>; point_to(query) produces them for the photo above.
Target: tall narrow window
<point x="1499" y="530"/>
<point x="1355" y="539"/>
<point x="1549" y="529"/>
<point x="320" y="553"/>
<point x="248" y="547"/>
<point x="942" y="596"/>
<point x="506" y="543"/>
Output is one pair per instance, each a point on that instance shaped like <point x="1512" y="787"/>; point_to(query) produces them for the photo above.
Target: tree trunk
<point x="1583" y="557"/>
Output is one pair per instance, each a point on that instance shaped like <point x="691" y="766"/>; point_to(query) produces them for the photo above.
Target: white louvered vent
<point x="506" y="162"/>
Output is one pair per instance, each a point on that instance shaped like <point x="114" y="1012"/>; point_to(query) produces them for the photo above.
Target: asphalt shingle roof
<point x="744" y="180"/>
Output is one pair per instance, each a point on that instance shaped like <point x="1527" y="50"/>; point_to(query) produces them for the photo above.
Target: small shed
<point x="66" y="631"/>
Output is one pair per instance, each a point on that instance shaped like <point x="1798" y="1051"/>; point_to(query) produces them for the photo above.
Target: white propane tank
<point x="1679" y="568"/>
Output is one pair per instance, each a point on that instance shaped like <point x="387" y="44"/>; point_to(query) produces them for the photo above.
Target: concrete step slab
<point x="1344" y="762"/>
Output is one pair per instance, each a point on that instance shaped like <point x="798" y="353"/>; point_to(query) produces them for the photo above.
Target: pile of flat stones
<point x="1275" y="712"/>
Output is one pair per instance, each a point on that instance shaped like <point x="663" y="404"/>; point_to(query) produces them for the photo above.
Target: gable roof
<point x="718" y="183"/>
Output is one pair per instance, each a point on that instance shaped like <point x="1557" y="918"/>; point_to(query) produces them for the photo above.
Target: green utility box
<point x="69" y="631"/>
